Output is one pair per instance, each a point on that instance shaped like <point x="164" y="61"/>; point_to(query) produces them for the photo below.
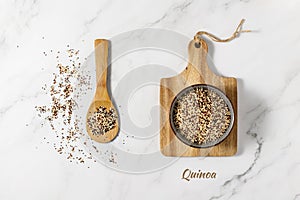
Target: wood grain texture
<point x="101" y="97"/>
<point x="197" y="72"/>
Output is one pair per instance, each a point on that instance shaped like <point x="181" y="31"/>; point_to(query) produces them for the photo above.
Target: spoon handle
<point x="101" y="55"/>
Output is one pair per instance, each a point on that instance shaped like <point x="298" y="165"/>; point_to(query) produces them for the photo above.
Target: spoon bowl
<point x="109" y="135"/>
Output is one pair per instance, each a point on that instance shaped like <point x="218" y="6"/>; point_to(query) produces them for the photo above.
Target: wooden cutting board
<point x="197" y="72"/>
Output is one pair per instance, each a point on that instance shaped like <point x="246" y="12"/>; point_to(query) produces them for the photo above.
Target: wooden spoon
<point x="101" y="97"/>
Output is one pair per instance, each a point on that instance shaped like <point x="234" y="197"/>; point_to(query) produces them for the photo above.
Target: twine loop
<point x="235" y="34"/>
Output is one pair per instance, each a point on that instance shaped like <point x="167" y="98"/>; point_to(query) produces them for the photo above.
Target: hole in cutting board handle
<point x="197" y="44"/>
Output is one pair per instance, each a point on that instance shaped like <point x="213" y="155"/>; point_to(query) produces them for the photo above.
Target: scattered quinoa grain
<point x="69" y="84"/>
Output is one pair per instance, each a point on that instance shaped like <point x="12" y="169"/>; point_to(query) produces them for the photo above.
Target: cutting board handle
<point x="197" y="56"/>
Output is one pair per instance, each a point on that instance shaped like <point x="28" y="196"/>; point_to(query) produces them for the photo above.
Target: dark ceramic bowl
<point x="180" y="136"/>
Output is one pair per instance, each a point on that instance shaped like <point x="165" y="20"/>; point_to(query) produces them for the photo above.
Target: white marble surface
<point x="266" y="62"/>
